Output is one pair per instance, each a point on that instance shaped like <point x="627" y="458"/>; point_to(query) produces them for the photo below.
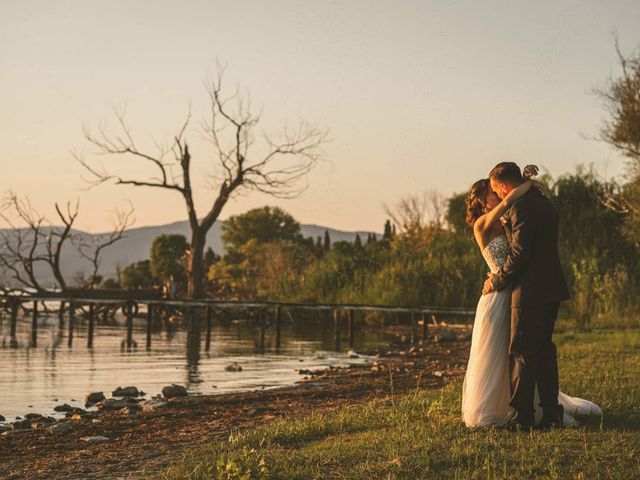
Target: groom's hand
<point x="488" y="285"/>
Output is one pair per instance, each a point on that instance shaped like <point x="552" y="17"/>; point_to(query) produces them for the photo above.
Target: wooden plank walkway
<point x="129" y="303"/>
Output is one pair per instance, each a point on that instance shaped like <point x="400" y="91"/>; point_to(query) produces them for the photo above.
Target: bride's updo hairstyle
<point x="476" y="200"/>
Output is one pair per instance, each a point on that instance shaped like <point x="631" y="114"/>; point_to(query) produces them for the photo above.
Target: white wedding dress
<point x="486" y="387"/>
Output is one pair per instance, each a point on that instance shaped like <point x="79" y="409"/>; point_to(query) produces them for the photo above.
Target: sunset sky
<point x="417" y="95"/>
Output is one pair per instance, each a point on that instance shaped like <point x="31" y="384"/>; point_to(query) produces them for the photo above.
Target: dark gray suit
<point x="534" y="273"/>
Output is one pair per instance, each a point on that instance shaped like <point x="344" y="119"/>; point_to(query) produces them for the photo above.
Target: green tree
<point x="168" y="259"/>
<point x="456" y="214"/>
<point x="210" y="257"/>
<point x="387" y="231"/>
<point x="327" y="241"/>
<point x="110" y="284"/>
<point x="358" y="241"/>
<point x="137" y="276"/>
<point x="264" y="225"/>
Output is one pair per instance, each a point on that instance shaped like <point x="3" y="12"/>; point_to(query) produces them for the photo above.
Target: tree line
<point x="426" y="256"/>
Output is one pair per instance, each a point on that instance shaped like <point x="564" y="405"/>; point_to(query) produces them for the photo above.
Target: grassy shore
<point x="420" y="435"/>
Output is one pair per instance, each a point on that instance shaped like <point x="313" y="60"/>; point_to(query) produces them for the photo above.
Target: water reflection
<point x="56" y="372"/>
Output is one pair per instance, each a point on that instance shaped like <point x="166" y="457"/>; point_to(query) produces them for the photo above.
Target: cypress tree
<point x="358" y="242"/>
<point x="387" y="231"/>
<point x="327" y="241"/>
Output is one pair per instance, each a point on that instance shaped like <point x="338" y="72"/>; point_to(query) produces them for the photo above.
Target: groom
<point x="537" y="282"/>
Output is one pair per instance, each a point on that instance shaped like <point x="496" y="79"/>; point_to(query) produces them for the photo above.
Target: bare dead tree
<point x="92" y="248"/>
<point x="621" y="99"/>
<point x="427" y="209"/>
<point x="279" y="170"/>
<point x="19" y="252"/>
<point x="419" y="217"/>
<point x="29" y="241"/>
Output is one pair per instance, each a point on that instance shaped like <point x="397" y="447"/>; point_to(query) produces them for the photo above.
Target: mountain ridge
<point x="136" y="245"/>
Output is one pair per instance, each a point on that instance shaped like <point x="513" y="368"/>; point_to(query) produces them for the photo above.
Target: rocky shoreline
<point x="143" y="434"/>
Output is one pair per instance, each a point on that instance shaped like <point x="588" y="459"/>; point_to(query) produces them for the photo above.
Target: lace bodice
<point x="496" y="252"/>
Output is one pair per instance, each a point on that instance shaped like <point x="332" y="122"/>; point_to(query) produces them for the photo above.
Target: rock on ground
<point x="64" y="427"/>
<point x="125" y="392"/>
<point x="233" y="367"/>
<point x="63" y="408"/>
<point x="94" y="439"/>
<point x="151" y="405"/>
<point x="174" y="390"/>
<point x="92" y="398"/>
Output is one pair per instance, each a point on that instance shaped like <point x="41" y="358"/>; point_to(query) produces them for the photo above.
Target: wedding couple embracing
<point x="512" y="374"/>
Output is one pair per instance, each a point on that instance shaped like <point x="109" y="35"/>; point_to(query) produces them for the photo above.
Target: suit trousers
<point x="533" y="360"/>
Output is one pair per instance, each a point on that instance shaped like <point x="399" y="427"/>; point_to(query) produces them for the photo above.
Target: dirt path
<point x="146" y="441"/>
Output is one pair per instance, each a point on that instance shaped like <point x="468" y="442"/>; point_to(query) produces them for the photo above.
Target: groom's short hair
<point x="507" y="172"/>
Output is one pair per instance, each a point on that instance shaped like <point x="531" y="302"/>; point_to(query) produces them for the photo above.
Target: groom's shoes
<point x="551" y="418"/>
<point x="515" y="426"/>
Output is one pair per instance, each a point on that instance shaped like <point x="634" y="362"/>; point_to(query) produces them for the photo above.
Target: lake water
<point x="35" y="379"/>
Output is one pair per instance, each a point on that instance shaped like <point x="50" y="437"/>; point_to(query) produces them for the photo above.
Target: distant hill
<point x="137" y="244"/>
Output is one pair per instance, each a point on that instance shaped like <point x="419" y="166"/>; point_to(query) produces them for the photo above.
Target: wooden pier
<point x="343" y="315"/>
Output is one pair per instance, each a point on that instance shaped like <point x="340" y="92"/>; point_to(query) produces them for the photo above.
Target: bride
<point x="486" y="387"/>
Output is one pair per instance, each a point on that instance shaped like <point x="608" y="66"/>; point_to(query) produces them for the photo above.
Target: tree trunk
<point x="195" y="287"/>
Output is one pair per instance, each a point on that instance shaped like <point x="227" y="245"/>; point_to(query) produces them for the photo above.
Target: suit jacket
<point x="533" y="268"/>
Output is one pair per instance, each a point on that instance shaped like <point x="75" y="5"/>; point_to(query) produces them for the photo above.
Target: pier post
<point x="209" y="316"/>
<point x="72" y="321"/>
<point x="414" y="328"/>
<point x="14" y="321"/>
<point x="34" y="325"/>
<point x="90" y="329"/>
<point x="262" y="322"/>
<point x="336" y="326"/>
<point x="61" y="315"/>
<point x="425" y="328"/>
<point x="150" y="308"/>
<point x="351" y="332"/>
<point x="129" y="313"/>
<point x="278" y="329"/>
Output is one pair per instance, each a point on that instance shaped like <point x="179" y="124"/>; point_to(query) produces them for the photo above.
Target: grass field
<point x="420" y="435"/>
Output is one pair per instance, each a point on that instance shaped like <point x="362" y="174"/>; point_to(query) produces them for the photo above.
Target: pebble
<point x="94" y="439"/>
<point x="233" y="367"/>
<point x="112" y="403"/>
<point x="125" y="392"/>
<point x="22" y="424"/>
<point x="63" y="408"/>
<point x="75" y="411"/>
<point x="174" y="390"/>
<point x="131" y="409"/>
<point x="64" y="427"/>
<point x="151" y="405"/>
<point x="92" y="398"/>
